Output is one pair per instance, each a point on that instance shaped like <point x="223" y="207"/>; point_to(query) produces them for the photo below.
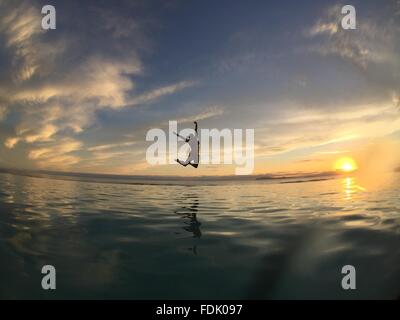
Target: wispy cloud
<point x="110" y="146"/>
<point x="369" y="43"/>
<point x="20" y="25"/>
<point x="57" y="155"/>
<point x="57" y="101"/>
<point x="209" y="112"/>
<point x="310" y="129"/>
<point x="158" y="93"/>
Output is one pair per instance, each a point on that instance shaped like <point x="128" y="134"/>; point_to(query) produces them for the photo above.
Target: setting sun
<point x="345" y="165"/>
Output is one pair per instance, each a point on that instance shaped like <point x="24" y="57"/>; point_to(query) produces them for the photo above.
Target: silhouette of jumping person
<point x="194" y="144"/>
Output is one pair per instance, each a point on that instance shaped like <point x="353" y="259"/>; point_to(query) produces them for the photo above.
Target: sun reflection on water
<point x="351" y="187"/>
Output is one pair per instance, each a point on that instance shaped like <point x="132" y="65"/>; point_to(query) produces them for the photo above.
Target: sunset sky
<point x="82" y="97"/>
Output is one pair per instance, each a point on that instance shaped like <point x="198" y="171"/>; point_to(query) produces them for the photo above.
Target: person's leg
<point x="192" y="160"/>
<point x="183" y="163"/>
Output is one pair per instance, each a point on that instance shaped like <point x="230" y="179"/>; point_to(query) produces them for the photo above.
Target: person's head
<point x="189" y="137"/>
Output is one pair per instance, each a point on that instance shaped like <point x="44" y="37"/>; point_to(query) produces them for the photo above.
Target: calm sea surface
<point x="233" y="240"/>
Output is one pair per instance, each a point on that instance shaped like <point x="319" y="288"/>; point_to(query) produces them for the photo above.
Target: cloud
<point x="111" y="146"/>
<point x="24" y="39"/>
<point x="58" y="162"/>
<point x="3" y="111"/>
<point x="44" y="134"/>
<point x="310" y="129"/>
<point x="62" y="147"/>
<point x="396" y="99"/>
<point x="11" y="142"/>
<point x="372" y="48"/>
<point x="55" y="88"/>
<point x="156" y="94"/>
<point x="101" y="80"/>
<point x="210" y="112"/>
<point x="56" y="155"/>
<point x="20" y="27"/>
<point x="373" y="41"/>
<point x="323" y="28"/>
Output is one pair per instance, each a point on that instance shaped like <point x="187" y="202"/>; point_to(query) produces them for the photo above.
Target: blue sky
<point x="82" y="97"/>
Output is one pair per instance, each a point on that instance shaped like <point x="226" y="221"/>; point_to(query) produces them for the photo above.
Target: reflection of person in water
<point x="194" y="144"/>
<point x="193" y="225"/>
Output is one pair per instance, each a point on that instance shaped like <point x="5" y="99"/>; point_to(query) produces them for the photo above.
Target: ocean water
<point x="230" y="240"/>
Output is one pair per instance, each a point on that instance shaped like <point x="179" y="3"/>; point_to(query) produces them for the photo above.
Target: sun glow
<point x="345" y="165"/>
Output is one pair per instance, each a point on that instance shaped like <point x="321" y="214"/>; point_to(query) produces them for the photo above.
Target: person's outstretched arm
<point x="180" y="136"/>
